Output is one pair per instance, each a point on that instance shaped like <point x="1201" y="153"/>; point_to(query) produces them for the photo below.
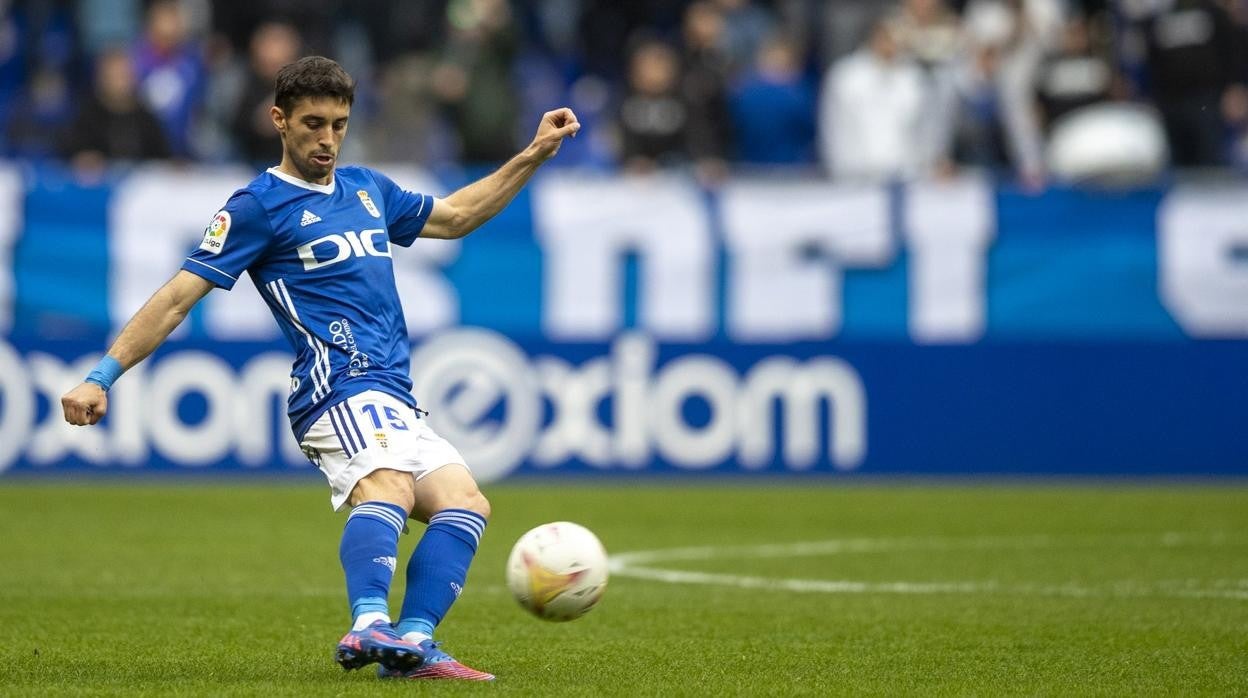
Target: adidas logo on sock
<point x="387" y="561"/>
<point x="309" y="218"/>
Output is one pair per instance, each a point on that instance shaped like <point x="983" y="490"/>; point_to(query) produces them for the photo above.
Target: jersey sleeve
<point x="406" y="211"/>
<point x="237" y="236"/>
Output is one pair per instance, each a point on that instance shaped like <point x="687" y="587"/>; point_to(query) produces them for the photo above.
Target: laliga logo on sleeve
<point x="216" y="232"/>
<point x="368" y="203"/>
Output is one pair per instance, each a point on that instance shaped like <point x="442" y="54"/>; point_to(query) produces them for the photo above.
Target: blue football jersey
<point x="321" y="257"/>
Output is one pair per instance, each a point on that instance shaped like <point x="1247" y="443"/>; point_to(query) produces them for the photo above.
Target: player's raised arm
<point x="164" y="311"/>
<point x="466" y="209"/>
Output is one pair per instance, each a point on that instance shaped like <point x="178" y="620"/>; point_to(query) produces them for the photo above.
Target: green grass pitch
<point x="745" y="589"/>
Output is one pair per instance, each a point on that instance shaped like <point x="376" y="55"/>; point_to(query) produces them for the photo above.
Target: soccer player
<point x="317" y="241"/>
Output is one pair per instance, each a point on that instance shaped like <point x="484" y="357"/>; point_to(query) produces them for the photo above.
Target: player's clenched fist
<point x="85" y="404"/>
<point x="555" y="126"/>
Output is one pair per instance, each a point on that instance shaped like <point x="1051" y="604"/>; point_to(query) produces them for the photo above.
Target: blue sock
<point x="370" y="543"/>
<point x="439" y="565"/>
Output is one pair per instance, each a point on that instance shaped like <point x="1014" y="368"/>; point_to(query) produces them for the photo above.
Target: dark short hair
<point x="311" y="77"/>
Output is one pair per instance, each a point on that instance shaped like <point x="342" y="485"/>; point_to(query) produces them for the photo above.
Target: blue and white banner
<point x="637" y="406"/>
<point x="608" y="325"/>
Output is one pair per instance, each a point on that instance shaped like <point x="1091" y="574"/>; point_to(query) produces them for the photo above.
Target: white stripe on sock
<point x="462" y="521"/>
<point x="380" y="513"/>
<point x="469" y="526"/>
<point x="476" y="519"/>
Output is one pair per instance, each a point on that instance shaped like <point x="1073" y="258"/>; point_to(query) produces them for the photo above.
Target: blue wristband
<point x="105" y="372"/>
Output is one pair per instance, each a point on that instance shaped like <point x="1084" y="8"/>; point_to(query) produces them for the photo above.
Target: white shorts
<point x="372" y="431"/>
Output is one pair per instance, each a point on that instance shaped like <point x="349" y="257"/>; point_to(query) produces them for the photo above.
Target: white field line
<point x="886" y="545"/>
<point x="637" y="564"/>
<point x="824" y="586"/>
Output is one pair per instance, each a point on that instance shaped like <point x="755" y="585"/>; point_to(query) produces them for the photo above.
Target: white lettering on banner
<point x="588" y="226"/>
<point x="949" y="226"/>
<point x="259" y="409"/>
<point x="574" y="429"/>
<point x="633" y="358"/>
<point x="176" y="376"/>
<point x="244" y="410"/>
<point x="432" y="301"/>
<point x="11" y="208"/>
<point x="1203" y="253"/>
<point x="462" y="375"/>
<point x="54" y="439"/>
<point x="799" y="391"/>
<point x="157" y="217"/>
<point x="789" y="244"/>
<point x="678" y="441"/>
<point x="17" y="397"/>
<point x="127" y="417"/>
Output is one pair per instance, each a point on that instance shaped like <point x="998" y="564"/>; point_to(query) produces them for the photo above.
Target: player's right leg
<point x="364" y="476"/>
<point x="368" y="553"/>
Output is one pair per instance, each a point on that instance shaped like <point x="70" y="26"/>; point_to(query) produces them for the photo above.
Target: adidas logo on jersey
<point x="309" y="218"/>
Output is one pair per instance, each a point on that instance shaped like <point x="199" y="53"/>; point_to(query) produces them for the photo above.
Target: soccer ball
<point x="558" y="571"/>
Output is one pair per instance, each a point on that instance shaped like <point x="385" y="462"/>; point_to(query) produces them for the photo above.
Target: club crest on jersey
<point x="368" y="203"/>
<point x="216" y="232"/>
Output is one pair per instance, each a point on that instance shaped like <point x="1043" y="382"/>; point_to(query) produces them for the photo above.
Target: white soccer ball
<point x="558" y="571"/>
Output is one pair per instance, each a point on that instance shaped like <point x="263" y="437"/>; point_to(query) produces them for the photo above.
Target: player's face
<point x="312" y="134"/>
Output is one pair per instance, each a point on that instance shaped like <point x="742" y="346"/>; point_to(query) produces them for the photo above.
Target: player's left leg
<point x="448" y="499"/>
<point x="450" y="502"/>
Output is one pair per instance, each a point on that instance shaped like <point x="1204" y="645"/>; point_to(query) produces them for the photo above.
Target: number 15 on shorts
<point x="383" y="416"/>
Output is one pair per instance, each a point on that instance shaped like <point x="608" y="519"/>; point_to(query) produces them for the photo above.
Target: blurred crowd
<point x="862" y="89"/>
